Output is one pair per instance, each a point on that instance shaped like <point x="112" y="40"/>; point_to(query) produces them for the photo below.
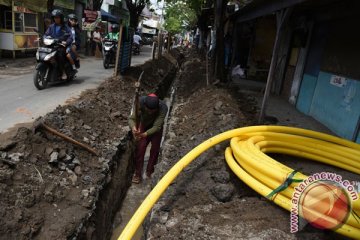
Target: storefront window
<point x="5" y="18"/>
<point x="19" y="22"/>
<point x="29" y="22"/>
<point x="8" y="20"/>
<point x="23" y="21"/>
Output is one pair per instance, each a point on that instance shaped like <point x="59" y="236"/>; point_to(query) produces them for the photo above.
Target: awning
<point x="151" y="23"/>
<point x="105" y="16"/>
<point x="148" y="30"/>
<point x="258" y="8"/>
<point x="5" y="2"/>
<point x="146" y="12"/>
<point x="68" y="4"/>
<point x="33" y="5"/>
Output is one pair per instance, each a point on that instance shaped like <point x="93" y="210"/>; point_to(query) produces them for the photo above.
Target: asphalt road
<point x="21" y="102"/>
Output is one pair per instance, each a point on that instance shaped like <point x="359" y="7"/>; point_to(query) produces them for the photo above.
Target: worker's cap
<point x="152" y="101"/>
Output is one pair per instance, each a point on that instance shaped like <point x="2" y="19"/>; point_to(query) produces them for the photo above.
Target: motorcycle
<point x="148" y="41"/>
<point x="47" y="68"/>
<point x="109" y="52"/>
<point x="136" y="49"/>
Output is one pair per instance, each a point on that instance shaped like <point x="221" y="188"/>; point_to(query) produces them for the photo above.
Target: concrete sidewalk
<point x="288" y="115"/>
<point x="279" y="108"/>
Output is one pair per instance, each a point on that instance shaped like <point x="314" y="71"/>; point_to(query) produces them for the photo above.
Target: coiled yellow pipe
<point x="247" y="159"/>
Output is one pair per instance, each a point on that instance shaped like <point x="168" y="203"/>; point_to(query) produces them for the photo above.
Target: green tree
<point x="192" y="4"/>
<point x="202" y="22"/>
<point x="179" y="16"/>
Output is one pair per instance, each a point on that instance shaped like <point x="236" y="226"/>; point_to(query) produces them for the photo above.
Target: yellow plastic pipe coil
<point x="247" y="159"/>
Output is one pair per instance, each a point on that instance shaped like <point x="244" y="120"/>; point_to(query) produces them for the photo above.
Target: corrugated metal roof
<point x="258" y="8"/>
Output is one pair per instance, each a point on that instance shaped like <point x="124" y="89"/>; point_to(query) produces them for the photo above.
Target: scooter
<point x="109" y="52"/>
<point x="136" y="49"/>
<point x="48" y="67"/>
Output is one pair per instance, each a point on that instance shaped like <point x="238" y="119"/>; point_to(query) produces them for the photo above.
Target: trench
<point x="118" y="199"/>
<point x="138" y="192"/>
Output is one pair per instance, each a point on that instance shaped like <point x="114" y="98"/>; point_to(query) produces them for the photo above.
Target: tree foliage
<point x="195" y="5"/>
<point x="135" y="8"/>
<point x="179" y="16"/>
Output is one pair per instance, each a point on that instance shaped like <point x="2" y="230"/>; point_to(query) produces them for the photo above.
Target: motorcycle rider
<point x="75" y="32"/>
<point x="114" y="34"/>
<point x="110" y="45"/>
<point x="137" y="39"/>
<point x="61" y="31"/>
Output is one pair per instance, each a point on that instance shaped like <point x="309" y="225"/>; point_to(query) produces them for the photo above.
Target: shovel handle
<point x="137" y="93"/>
<point x="69" y="139"/>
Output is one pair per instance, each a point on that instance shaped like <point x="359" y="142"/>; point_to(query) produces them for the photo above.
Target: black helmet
<point x="115" y="27"/>
<point x="72" y="16"/>
<point x="57" y="13"/>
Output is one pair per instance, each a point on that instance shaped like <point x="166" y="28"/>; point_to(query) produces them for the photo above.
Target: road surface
<point x="21" y="102"/>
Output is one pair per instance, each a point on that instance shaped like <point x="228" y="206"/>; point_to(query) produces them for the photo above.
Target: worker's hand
<point x="140" y="136"/>
<point x="135" y="132"/>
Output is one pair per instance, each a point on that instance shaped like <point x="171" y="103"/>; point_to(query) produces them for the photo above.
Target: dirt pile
<point x="159" y="73"/>
<point x="51" y="189"/>
<point x="52" y="185"/>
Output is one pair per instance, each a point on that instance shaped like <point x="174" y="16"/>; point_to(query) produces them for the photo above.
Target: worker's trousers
<point x="155" y="140"/>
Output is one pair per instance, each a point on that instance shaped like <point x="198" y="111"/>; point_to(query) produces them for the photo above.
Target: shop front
<point x="18" y="24"/>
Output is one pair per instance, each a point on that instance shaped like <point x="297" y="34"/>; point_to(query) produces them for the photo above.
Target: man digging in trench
<point x="151" y="117"/>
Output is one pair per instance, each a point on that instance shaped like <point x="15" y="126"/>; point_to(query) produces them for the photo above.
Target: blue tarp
<point x="105" y="16"/>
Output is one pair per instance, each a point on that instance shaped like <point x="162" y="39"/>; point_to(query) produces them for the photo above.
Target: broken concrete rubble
<point x="54" y="157"/>
<point x="223" y="192"/>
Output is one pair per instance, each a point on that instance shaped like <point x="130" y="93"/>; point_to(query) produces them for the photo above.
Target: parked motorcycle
<point x="48" y="68"/>
<point x="109" y="52"/>
<point x="136" y="49"/>
<point x="147" y="41"/>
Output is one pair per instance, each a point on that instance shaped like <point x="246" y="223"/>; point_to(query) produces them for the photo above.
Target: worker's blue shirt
<point x="58" y="32"/>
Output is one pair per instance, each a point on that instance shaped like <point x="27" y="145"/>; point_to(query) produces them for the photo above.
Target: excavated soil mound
<point x="51" y="185"/>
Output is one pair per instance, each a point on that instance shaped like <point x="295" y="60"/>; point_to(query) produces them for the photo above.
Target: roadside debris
<point x="39" y="124"/>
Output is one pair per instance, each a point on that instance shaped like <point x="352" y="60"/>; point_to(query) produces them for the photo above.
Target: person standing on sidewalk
<point x="151" y="117"/>
<point x="96" y="40"/>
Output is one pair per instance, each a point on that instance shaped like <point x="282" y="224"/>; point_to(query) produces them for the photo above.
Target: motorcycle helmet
<point x="57" y="13"/>
<point x="72" y="16"/>
<point x="115" y="28"/>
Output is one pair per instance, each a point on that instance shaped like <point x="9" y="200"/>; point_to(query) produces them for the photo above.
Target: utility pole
<point x="281" y="18"/>
<point x="219" y="46"/>
<point x="118" y="52"/>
